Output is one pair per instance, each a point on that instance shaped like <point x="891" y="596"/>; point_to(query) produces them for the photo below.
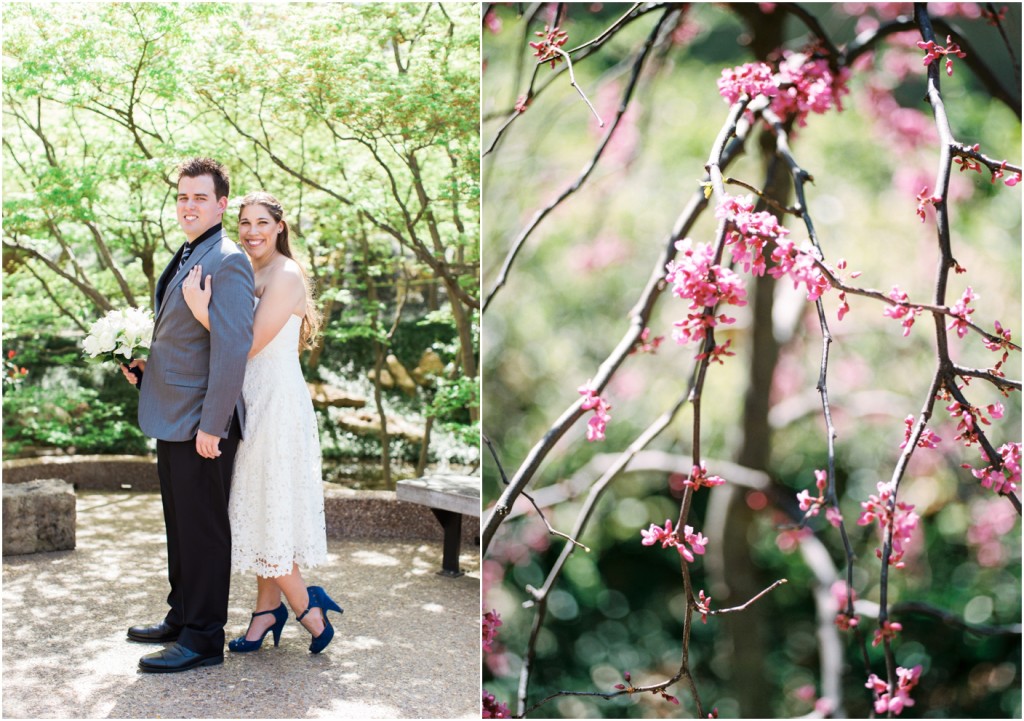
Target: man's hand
<point x="137" y="363"/>
<point x="207" y="446"/>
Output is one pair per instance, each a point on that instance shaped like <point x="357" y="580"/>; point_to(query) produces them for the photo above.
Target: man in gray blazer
<point x="190" y="401"/>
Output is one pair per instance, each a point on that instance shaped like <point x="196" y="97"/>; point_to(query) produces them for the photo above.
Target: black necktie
<point x="184" y="255"/>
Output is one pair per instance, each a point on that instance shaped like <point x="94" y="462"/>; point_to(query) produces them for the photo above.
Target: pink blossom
<point x="699" y="478"/>
<point x="696" y="540"/>
<point x="968" y="163"/>
<point x="1006" y="477"/>
<point x="907" y="312"/>
<point x="551" y="40"/>
<point x="696" y="279"/>
<point x="1013" y="179"/>
<point x="934" y="52"/>
<point x="962" y="313"/>
<point x="490" y="623"/>
<point x="646" y="344"/>
<point x="599" y="421"/>
<point x="492" y="708"/>
<point x="902" y="518"/>
<point x="888" y="630"/>
<point x="928" y="438"/>
<point x="808" y="86"/>
<point x="656" y="534"/>
<point x="752" y="79"/>
<point x="886" y="702"/>
<point x="703" y="606"/>
<point x="833" y="516"/>
<point x="522" y="103"/>
<point x="924" y="199"/>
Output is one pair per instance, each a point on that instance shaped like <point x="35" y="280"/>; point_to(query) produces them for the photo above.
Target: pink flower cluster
<point x="704" y="284"/>
<point x="490" y="623"/>
<point x="646" y="344"/>
<point x="887" y="631"/>
<point x="903" y="519"/>
<point x="751" y="79"/>
<point x="703" y="606"/>
<point x="896" y="701"/>
<point x="970" y="417"/>
<point x="934" y="52"/>
<point x="962" y="313"/>
<point x="923" y="199"/>
<point x="1006" y="477"/>
<point x="492" y="708"/>
<point x="811" y="506"/>
<point x="546" y="48"/>
<point x="667" y="538"/>
<point x="928" y="438"/>
<point x="844" y="601"/>
<point x="599" y="421"/>
<point x="749" y="232"/>
<point x="966" y="162"/>
<point x="908" y="313"/>
<point x="699" y="478"/>
<point x="808" y="86"/>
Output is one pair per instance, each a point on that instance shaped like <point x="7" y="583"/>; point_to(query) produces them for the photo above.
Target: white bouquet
<point x="119" y="335"/>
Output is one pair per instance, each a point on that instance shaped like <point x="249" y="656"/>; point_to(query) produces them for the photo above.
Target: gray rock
<point x="38" y="516"/>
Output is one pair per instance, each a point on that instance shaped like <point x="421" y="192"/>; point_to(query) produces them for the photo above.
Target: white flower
<point x="119" y="332"/>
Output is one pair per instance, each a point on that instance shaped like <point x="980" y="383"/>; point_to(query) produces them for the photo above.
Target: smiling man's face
<point x="199" y="209"/>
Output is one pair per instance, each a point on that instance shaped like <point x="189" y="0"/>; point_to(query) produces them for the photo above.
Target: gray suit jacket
<point x="193" y="378"/>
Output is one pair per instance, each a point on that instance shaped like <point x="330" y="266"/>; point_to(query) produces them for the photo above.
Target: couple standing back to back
<point x="238" y="454"/>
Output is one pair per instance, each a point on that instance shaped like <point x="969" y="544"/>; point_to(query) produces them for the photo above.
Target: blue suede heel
<point x="318" y="598"/>
<point x="243" y="645"/>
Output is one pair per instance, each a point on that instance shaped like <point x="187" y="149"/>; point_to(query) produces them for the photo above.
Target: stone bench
<point x="449" y="497"/>
<point x="38" y="516"/>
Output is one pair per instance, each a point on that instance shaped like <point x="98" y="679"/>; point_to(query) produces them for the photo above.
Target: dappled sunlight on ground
<point x="65" y="616"/>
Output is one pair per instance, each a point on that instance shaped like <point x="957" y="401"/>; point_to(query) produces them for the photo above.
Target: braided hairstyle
<point x="312" y="320"/>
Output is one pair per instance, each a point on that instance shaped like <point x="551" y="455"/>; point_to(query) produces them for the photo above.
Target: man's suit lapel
<point x="171" y="279"/>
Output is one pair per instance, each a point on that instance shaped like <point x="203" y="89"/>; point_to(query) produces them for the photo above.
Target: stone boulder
<point x="38" y="516"/>
<point x="402" y="378"/>
<point x="327" y="396"/>
<point x="430" y="365"/>
<point x="367" y="423"/>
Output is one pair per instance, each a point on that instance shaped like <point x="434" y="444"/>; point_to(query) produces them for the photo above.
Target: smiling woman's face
<point x="258" y="231"/>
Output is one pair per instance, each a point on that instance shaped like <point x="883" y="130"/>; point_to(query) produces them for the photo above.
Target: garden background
<point x="361" y="119"/>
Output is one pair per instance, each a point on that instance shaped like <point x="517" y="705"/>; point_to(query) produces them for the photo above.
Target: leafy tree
<point x="351" y="114"/>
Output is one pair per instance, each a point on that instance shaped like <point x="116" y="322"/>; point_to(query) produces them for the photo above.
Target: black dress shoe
<point x="159" y="633"/>
<point x="177" y="658"/>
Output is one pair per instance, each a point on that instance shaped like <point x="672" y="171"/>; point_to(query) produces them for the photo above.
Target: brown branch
<point x="525" y="233"/>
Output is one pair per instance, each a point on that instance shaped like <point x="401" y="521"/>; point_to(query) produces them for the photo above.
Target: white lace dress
<point x="276" y="505"/>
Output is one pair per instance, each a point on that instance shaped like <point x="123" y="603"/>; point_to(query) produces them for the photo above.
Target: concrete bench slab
<point x="38" y="516"/>
<point x="449" y="497"/>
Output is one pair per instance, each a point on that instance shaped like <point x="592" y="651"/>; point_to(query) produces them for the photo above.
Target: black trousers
<point x="195" y="493"/>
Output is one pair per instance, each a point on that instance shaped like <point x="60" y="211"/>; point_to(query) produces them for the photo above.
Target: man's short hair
<point x="195" y="167"/>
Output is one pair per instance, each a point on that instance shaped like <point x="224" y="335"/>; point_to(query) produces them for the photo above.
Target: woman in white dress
<point x="276" y="505"/>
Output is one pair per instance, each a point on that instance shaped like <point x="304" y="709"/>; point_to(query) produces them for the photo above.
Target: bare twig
<point x="520" y="240"/>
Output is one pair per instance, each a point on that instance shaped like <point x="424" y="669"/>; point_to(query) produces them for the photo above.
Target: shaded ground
<point x="407" y="646"/>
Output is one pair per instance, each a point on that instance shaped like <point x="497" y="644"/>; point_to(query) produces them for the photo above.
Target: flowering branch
<point x="737" y="130"/>
<point x="627" y="95"/>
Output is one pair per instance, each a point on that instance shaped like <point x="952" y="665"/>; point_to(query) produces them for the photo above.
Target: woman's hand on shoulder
<point x="197" y="295"/>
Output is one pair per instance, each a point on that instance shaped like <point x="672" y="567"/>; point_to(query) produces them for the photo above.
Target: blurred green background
<point x="565" y="307"/>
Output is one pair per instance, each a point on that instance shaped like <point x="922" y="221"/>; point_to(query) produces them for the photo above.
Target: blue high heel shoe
<point x="318" y="598"/>
<point x="243" y="645"/>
